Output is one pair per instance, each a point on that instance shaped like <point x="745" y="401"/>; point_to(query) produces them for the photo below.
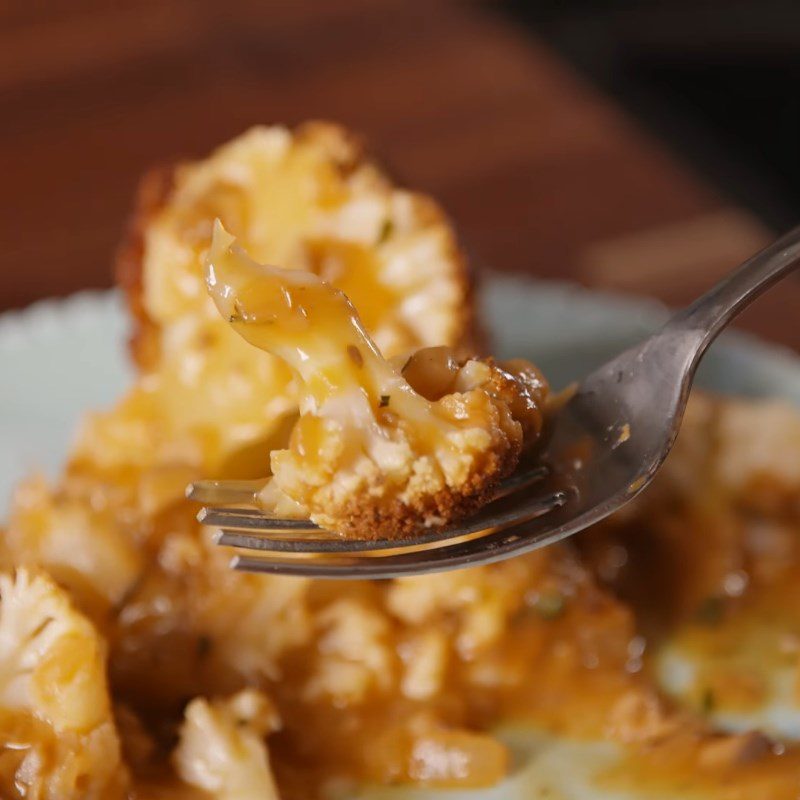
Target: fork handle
<point x="711" y="312"/>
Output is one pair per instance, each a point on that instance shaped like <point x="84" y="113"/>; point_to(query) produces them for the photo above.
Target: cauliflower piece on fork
<point x="379" y="451"/>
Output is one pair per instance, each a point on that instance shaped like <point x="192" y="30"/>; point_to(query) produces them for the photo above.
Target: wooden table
<point x="543" y="175"/>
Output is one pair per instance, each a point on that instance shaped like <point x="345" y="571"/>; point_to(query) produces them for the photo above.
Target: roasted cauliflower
<point x="309" y="200"/>
<point x="54" y="701"/>
<point x="378" y="451"/>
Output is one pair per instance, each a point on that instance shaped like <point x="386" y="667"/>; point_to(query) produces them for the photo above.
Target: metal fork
<point x="605" y="446"/>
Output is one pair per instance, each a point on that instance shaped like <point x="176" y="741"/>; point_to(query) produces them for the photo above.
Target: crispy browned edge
<point x="153" y="194"/>
<point x="398" y="520"/>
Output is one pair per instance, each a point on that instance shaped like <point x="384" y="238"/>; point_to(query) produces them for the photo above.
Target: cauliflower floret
<point x="425" y="656"/>
<point x="370" y="456"/>
<point x="479" y="601"/>
<point x="306" y="199"/>
<point x="54" y="701"/>
<point x="452" y="758"/>
<point x="49" y="529"/>
<point x="222" y="749"/>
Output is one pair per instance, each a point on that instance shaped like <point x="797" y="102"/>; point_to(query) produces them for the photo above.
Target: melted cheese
<point x="316" y="330"/>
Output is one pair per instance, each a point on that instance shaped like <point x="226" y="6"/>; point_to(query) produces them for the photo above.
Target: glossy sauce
<point x="314" y="328"/>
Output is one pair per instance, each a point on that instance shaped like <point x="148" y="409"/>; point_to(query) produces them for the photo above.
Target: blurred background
<point x="641" y="147"/>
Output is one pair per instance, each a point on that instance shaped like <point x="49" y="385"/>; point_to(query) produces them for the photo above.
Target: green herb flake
<point x="384" y="401"/>
<point x="549" y="605"/>
<point x="707" y="701"/>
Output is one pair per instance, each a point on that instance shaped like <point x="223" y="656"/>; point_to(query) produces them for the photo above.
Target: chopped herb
<point x="45" y="623"/>
<point x="549" y="605"/>
<point x="384" y="400"/>
<point x="711" y="611"/>
<point x="236" y="315"/>
<point x="707" y="702"/>
<point x="386" y="230"/>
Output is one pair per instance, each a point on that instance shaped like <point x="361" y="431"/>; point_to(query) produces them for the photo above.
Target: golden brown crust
<point x="399" y="519"/>
<point x="151" y="196"/>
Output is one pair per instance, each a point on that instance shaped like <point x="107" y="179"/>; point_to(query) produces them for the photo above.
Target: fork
<point x="605" y="446"/>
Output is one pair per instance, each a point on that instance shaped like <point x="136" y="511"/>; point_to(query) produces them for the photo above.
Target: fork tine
<point x="247" y="519"/>
<point x="486" y="520"/>
<point x="521" y="479"/>
<point x="283" y="542"/>
<point x="228" y="493"/>
<point x="485" y="549"/>
<point x="253" y="520"/>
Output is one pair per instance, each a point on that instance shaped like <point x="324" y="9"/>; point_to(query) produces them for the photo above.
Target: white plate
<point x="60" y="358"/>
